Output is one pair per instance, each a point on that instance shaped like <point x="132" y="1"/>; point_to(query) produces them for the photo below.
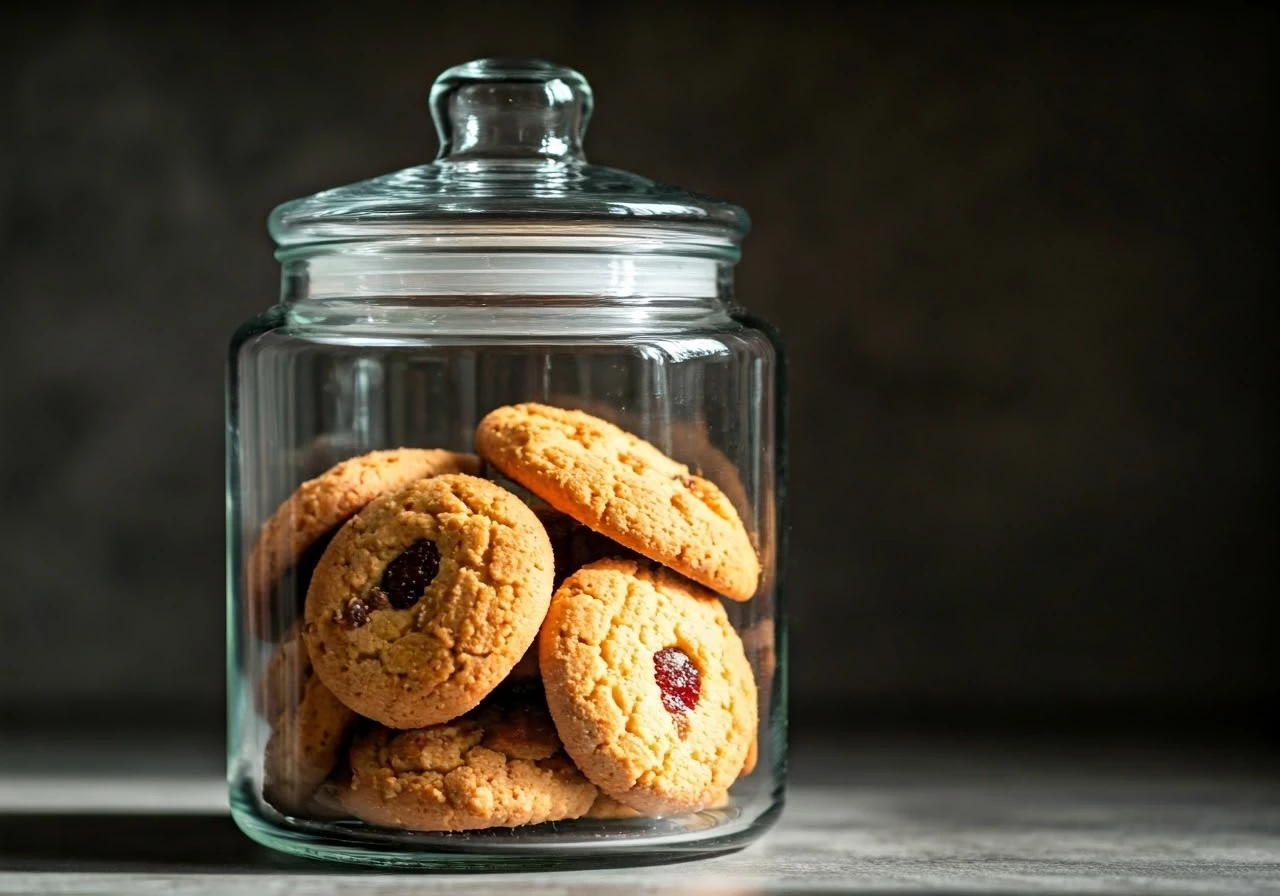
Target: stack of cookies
<point x="469" y="658"/>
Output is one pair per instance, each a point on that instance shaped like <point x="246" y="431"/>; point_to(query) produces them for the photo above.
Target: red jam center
<point x="678" y="680"/>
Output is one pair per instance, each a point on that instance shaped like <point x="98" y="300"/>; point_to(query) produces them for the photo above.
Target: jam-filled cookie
<point x="426" y="599"/>
<point x="293" y="538"/>
<point x="501" y="765"/>
<point x="626" y="489"/>
<point x="648" y="685"/>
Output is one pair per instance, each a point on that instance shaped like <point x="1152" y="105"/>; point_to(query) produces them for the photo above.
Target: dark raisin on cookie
<point x="407" y="576"/>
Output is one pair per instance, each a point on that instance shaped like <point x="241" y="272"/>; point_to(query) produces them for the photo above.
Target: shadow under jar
<point x="504" y="477"/>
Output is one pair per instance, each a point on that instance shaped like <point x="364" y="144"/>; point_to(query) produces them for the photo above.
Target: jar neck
<point x="438" y="276"/>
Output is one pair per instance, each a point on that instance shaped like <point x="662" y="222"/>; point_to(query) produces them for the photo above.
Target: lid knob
<point x="509" y="109"/>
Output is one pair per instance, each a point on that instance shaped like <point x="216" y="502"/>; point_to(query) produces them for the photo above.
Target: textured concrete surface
<point x="1022" y="258"/>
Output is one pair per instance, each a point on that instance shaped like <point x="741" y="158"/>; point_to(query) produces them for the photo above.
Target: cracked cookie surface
<point x="426" y="599"/>
<point x="623" y="487"/>
<point x="661" y="735"/>
<point x="316" y="509"/>
<point x="498" y="766"/>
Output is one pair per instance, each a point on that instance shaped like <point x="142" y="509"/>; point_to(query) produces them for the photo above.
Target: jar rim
<point x="582" y="275"/>
<point x="497" y="236"/>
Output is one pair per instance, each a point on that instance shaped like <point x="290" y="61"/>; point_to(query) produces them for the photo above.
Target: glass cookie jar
<point x="504" y="494"/>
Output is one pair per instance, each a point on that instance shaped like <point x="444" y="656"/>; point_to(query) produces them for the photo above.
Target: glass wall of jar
<point x="504" y="499"/>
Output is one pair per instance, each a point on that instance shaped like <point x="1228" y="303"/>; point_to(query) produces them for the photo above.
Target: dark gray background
<point x="1023" y="258"/>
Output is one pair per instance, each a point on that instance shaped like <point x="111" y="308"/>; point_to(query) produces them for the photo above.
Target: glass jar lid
<point x="510" y="176"/>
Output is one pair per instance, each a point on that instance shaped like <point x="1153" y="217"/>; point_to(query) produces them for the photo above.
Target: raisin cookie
<point x="626" y="489"/>
<point x="293" y="538"/>
<point x="648" y="685"/>
<point x="427" y="598"/>
<point x="498" y="766"/>
<point x="304" y="747"/>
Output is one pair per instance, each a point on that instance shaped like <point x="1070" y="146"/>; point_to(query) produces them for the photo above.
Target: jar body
<point x="318" y="380"/>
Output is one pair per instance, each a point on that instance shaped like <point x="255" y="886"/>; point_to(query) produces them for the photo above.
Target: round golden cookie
<point x="304" y="747"/>
<point x="427" y="598"/>
<point x="497" y="766"/>
<point x="625" y="488"/>
<point x="309" y="516"/>
<point x="648" y="685"/>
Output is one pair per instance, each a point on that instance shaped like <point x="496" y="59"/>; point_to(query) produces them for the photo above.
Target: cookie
<point x="326" y="803"/>
<point x="498" y="766"/>
<point x="648" y="685"/>
<point x="758" y="641"/>
<point x="304" y="747"/>
<point x="685" y="438"/>
<point x="689" y="438"/>
<point x="285" y="676"/>
<point x="753" y="756"/>
<point x="427" y="598"/>
<point x="294" y="537"/>
<point x="606" y="807"/>
<point x="626" y="489"/>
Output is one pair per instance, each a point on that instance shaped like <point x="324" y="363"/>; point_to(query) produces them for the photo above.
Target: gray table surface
<point x="863" y="815"/>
